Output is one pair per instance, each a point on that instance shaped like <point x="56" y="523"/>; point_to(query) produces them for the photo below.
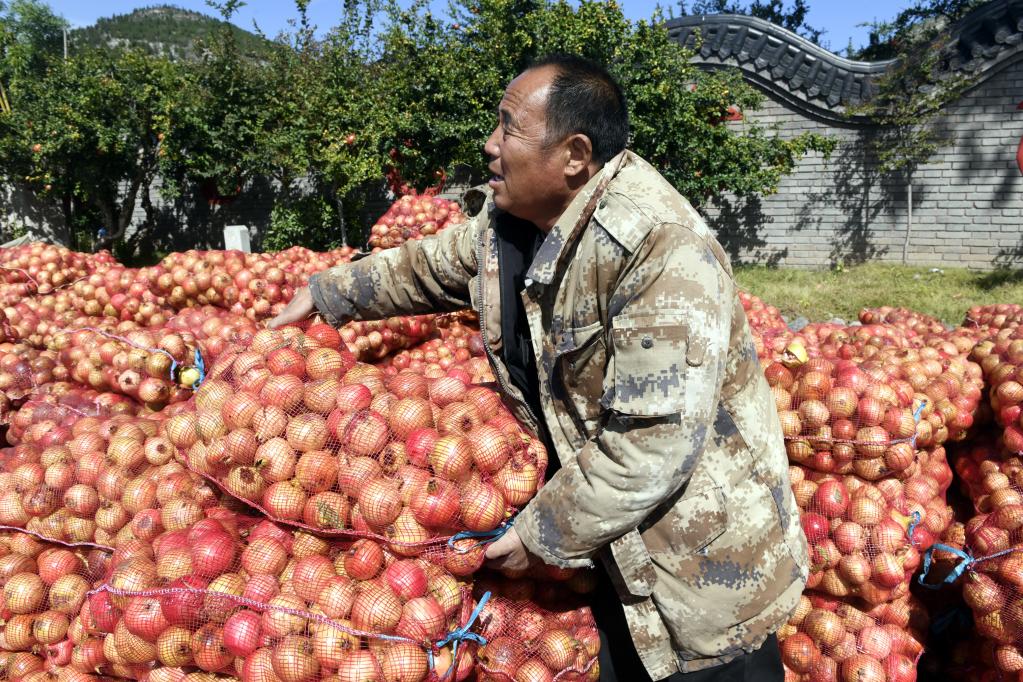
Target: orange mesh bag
<point x="145" y="364"/>
<point x="845" y="416"/>
<point x="49" y="412"/>
<point x="865" y="538"/>
<point x="832" y="341"/>
<point x="903" y="318"/>
<point x="867" y="416"/>
<point x="242" y="597"/>
<point x="535" y="631"/>
<point x="829" y="639"/>
<point x="990" y="565"/>
<point x="101" y="482"/>
<point x="458" y="352"/>
<point x="41" y="268"/>
<point x="1001" y="359"/>
<point x="44" y="588"/>
<point x="292" y="427"/>
<point x="24" y="369"/>
<point x="374" y="340"/>
<point x="256" y="285"/>
<point x="118" y="293"/>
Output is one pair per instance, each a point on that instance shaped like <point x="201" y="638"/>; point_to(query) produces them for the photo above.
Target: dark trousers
<point x="619" y="661"/>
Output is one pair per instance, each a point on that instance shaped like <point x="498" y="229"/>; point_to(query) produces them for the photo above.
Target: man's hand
<point x="508" y="552"/>
<point x="300" y="307"/>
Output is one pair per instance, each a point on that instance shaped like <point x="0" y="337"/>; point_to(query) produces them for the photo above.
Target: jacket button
<point x="647" y="342"/>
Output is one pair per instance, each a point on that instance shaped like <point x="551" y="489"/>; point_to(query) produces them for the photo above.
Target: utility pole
<point x="65" y="44"/>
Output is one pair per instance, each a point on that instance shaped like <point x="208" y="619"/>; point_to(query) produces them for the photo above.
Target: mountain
<point x="162" y="29"/>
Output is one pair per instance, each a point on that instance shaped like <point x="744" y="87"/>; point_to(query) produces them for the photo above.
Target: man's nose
<point x="490" y="148"/>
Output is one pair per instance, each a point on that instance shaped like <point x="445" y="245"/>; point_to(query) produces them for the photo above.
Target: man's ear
<point x="580" y="154"/>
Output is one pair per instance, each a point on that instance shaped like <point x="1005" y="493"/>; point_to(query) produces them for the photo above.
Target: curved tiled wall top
<point x="823" y="83"/>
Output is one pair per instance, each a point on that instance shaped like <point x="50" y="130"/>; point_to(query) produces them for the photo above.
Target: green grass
<point x="821" y="295"/>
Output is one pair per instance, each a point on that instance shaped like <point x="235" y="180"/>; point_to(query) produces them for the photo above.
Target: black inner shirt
<point x="517" y="243"/>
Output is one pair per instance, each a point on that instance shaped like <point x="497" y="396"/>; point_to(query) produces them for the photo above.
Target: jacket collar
<point x="573" y="221"/>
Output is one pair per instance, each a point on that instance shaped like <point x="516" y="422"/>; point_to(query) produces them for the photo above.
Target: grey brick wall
<point x="967" y="204"/>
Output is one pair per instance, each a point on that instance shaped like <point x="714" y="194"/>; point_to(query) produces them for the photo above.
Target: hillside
<point x="162" y="29"/>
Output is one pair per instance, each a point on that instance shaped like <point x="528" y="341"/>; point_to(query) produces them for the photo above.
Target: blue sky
<point x="839" y="19"/>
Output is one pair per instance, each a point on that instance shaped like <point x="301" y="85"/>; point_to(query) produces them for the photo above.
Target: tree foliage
<point x="920" y="82"/>
<point x="392" y="92"/>
<point x="919" y="24"/>
<point x="449" y="77"/>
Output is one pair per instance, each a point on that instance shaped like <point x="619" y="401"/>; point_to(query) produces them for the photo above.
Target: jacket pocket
<point x="581" y="358"/>
<point x="695" y="521"/>
<point x="651" y="355"/>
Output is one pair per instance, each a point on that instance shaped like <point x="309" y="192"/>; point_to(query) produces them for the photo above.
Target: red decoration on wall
<point x="1019" y="148"/>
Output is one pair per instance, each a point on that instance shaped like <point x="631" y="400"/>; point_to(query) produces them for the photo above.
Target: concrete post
<point x="237" y="237"/>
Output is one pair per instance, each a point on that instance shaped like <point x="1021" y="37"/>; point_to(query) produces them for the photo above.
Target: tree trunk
<point x="909" y="220"/>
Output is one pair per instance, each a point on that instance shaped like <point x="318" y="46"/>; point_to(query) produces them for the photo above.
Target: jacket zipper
<point x="483" y="329"/>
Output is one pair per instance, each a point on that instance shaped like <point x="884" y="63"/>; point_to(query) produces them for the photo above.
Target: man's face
<point x="529" y="180"/>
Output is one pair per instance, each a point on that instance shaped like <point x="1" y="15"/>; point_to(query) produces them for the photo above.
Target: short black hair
<point x="585" y="98"/>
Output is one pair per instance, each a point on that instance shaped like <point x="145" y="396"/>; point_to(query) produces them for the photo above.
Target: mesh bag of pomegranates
<point x="251" y="599"/>
<point x="413" y="217"/>
<point x="372" y="341"/>
<point x="870" y="418"/>
<point x="535" y="628"/>
<point x="156" y="366"/>
<point x="44" y="589"/>
<point x="1001" y="358"/>
<point x="866" y="538"/>
<point x="827" y="638"/>
<point x="458" y="351"/>
<point x="99" y="481"/>
<point x="292" y="426"/>
<point x="990" y="565"/>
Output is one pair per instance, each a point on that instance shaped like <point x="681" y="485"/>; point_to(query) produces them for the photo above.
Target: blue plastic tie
<point x="462" y="634"/>
<point x="912" y="526"/>
<point x="966" y="560"/>
<point x="200" y="365"/>
<point x="487" y="536"/>
<point x="916" y="420"/>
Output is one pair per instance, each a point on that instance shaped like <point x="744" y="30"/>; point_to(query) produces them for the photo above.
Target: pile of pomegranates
<point x="1001" y="358"/>
<point x="827" y="638"/>
<point x="413" y="217"/>
<point x="994" y="317"/>
<point x="243" y="597"/>
<point x="866" y="538"/>
<point x="531" y="643"/>
<point x="292" y="425"/>
<point x="762" y="317"/>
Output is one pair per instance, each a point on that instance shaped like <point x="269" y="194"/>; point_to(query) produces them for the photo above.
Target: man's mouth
<point x="495" y="179"/>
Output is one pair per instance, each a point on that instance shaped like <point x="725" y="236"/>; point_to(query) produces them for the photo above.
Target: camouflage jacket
<point x="673" y="465"/>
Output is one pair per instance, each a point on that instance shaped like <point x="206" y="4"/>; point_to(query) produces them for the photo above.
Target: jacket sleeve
<point x="421" y="276"/>
<point x="670" y="334"/>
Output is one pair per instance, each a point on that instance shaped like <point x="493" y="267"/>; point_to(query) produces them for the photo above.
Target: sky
<point x="840" y="19"/>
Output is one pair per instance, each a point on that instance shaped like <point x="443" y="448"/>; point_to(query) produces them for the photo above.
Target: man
<point x="611" y="320"/>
